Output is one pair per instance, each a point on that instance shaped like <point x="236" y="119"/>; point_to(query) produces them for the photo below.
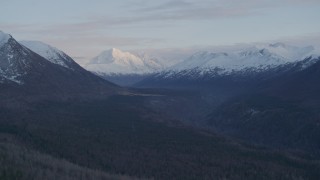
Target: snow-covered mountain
<point x="115" y="61"/>
<point x="262" y="61"/>
<point x="23" y="71"/>
<point x="50" y="53"/>
<point x="260" y="57"/>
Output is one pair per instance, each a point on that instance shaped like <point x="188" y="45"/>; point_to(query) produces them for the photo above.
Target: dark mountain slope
<point x="283" y="112"/>
<point x="303" y="85"/>
<point x="25" y="73"/>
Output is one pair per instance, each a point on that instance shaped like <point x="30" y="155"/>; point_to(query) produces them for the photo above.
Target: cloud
<point x="187" y="10"/>
<point x="151" y="13"/>
<point x="167" y="12"/>
<point x="209" y="9"/>
<point x="176" y="4"/>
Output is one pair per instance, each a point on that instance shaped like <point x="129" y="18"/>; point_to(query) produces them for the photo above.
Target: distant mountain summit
<point x="123" y="68"/>
<point x="115" y="61"/>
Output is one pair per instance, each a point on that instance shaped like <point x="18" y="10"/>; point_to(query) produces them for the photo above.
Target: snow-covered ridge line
<point x="50" y="53"/>
<point x="256" y="57"/>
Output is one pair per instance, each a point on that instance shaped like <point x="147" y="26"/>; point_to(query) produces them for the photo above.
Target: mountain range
<point x="127" y="69"/>
<point x="207" y="65"/>
<point x="246" y="114"/>
<point x="258" y="58"/>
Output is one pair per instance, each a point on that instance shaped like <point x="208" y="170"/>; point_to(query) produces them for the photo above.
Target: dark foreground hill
<point x="119" y="135"/>
<point x="21" y="162"/>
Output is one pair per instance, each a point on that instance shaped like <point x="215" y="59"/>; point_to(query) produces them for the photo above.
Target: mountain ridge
<point x="204" y="66"/>
<point x="24" y="72"/>
<point x="257" y="57"/>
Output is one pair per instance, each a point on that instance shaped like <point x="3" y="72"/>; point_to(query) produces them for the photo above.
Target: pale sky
<point x="84" y="28"/>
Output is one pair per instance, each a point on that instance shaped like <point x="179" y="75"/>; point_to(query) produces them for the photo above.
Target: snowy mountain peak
<point x="14" y="62"/>
<point x="115" y="61"/>
<point x="50" y="53"/>
<point x="117" y="52"/>
<point x="291" y="53"/>
<point x="4" y="38"/>
<point x="115" y="56"/>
